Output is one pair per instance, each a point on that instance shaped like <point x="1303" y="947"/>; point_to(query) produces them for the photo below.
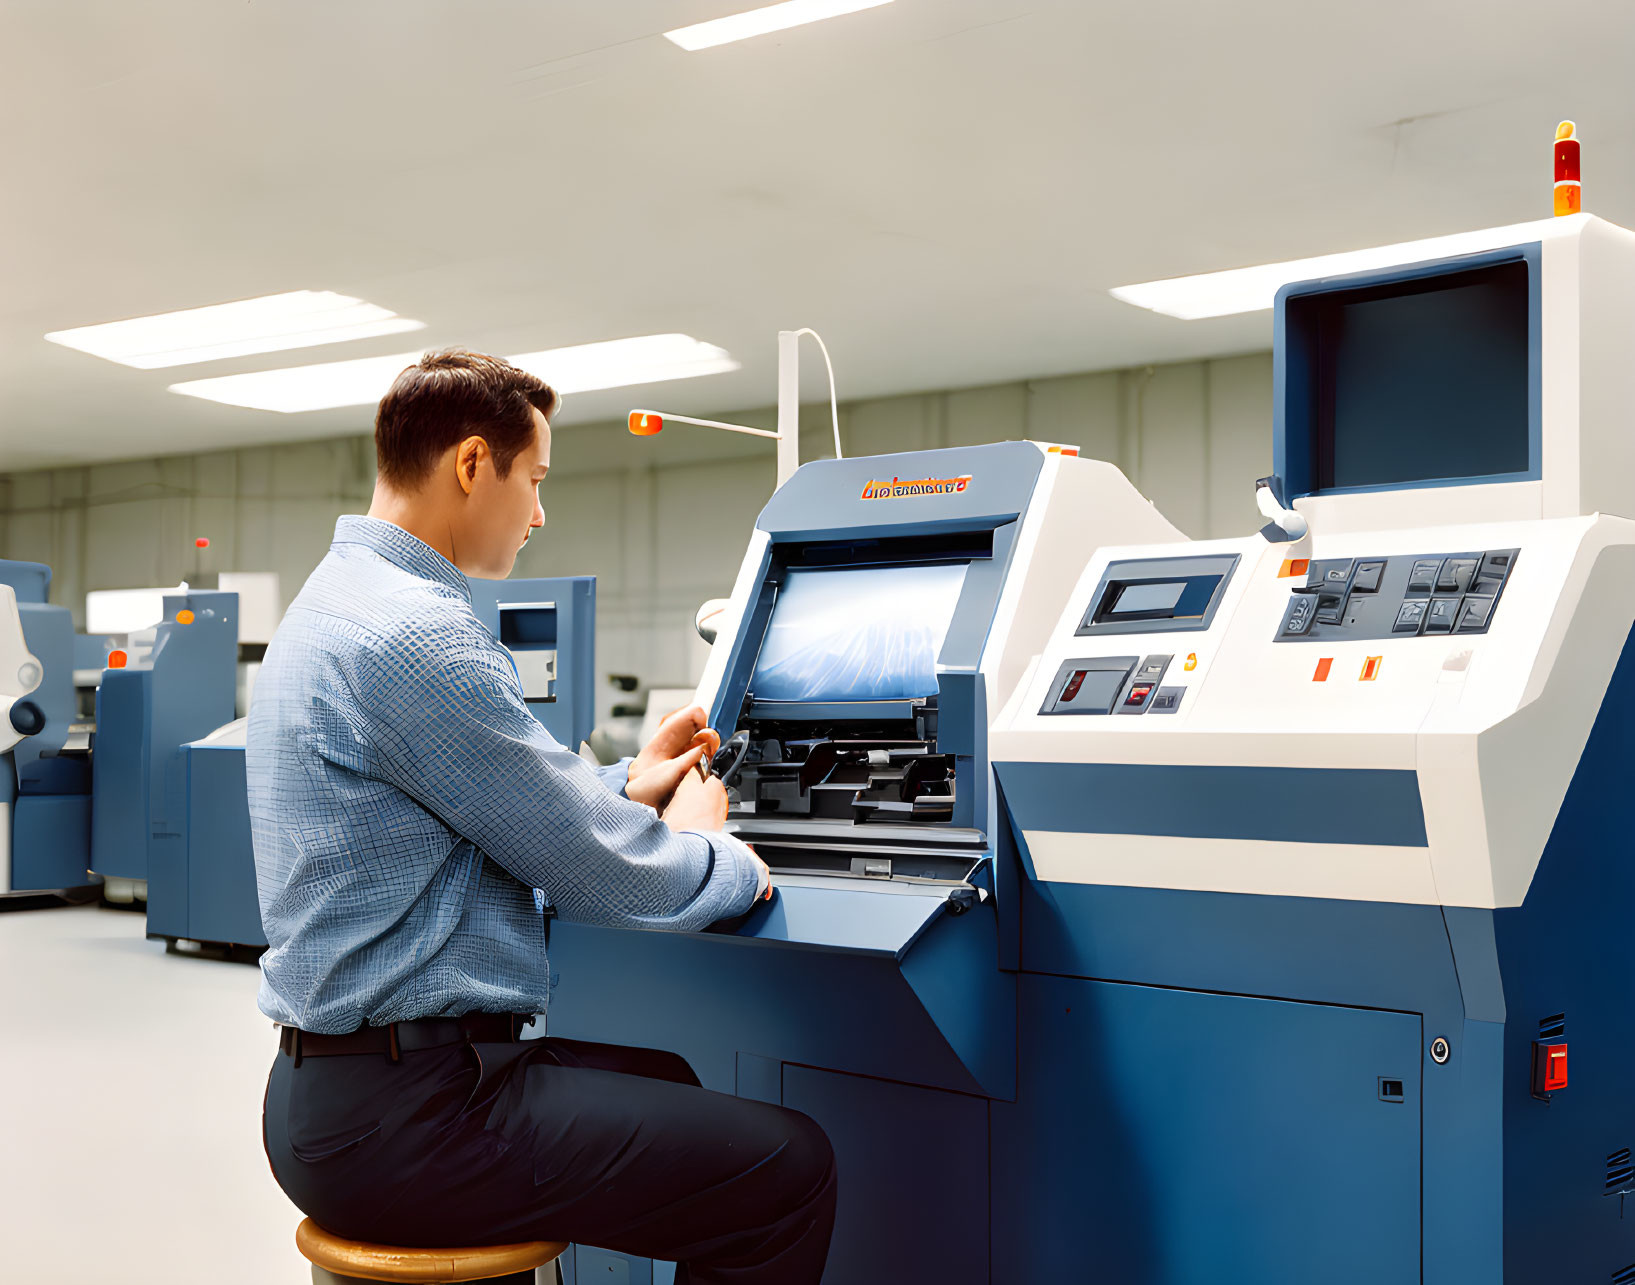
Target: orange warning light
<point x="1192" y="661"/>
<point x="1294" y="567"/>
<point x="184" y="617"/>
<point x="1371" y="669"/>
<point x="1569" y="188"/>
<point x="1323" y="666"/>
<point x="201" y="543"/>
<point x="646" y="424"/>
<point x="117" y="659"/>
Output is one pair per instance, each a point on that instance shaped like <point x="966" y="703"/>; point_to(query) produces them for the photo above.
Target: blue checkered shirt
<point x="406" y="806"/>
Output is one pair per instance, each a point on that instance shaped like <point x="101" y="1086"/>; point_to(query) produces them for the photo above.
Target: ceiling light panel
<point x="617" y="363"/>
<point x="1222" y="294"/>
<point x="272" y="323"/>
<point x="759" y="22"/>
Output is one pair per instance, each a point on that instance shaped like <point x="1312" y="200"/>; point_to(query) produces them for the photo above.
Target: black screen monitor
<point x="1416" y="381"/>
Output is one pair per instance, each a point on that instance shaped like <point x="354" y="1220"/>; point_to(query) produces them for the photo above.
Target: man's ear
<point x="467" y="457"/>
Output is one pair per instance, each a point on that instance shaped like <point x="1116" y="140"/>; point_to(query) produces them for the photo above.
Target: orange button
<point x="117" y="659"/>
<point x="1294" y="567"/>
<point x="184" y="617"/>
<point x="1323" y="666"/>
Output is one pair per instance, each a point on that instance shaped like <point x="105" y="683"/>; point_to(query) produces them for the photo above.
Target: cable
<point x="834" y="403"/>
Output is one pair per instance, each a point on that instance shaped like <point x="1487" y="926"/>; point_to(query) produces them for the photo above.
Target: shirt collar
<point x="401" y="549"/>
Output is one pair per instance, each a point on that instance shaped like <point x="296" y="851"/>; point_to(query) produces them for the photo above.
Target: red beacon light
<point x="646" y="423"/>
<point x="201" y="543"/>
<point x="1569" y="187"/>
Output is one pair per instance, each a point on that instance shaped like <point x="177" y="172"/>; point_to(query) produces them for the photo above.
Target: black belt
<point x="406" y="1037"/>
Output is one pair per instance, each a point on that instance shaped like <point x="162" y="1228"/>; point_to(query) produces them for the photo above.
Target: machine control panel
<point x="1113" y="685"/>
<point x="1398" y="597"/>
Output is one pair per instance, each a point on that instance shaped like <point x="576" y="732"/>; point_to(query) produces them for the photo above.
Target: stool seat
<point x="362" y="1261"/>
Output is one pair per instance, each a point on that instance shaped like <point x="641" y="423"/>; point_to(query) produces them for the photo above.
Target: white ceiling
<point x="946" y="189"/>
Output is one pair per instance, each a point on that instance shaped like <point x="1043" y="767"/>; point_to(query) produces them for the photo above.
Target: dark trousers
<point x="486" y="1144"/>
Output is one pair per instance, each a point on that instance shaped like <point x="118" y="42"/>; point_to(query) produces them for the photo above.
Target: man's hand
<point x="668" y="758"/>
<point x="697" y="804"/>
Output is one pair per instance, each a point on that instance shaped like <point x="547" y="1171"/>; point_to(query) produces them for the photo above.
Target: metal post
<point x="788" y="404"/>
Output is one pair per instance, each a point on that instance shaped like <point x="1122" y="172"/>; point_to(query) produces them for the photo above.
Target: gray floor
<point x="130" y="1086"/>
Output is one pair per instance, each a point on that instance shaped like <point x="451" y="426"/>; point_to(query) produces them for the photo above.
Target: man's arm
<point x="453" y="732"/>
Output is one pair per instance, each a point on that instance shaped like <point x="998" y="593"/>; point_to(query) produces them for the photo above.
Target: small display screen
<point x="858" y="634"/>
<point x="1184" y="598"/>
<point x="1149" y="597"/>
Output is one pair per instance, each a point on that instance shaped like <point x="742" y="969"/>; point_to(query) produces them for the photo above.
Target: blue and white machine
<point x="884" y="607"/>
<point x="45" y="779"/>
<point x="178" y="684"/>
<point x="1324" y="844"/>
<point x="202" y="882"/>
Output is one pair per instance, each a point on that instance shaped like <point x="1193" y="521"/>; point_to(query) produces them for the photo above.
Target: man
<point x="415" y="831"/>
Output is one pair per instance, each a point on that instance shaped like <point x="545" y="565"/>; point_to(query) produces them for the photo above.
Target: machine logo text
<point x="898" y="489"/>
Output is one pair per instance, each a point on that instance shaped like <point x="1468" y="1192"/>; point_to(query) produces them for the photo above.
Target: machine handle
<point x="1282" y="523"/>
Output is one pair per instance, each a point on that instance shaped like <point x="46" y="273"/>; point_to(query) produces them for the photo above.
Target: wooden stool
<point x="334" y="1258"/>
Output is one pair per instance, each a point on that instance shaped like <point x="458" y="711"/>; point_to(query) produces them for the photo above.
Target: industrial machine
<point x="549" y="627"/>
<point x="201" y="880"/>
<point x="1324" y="842"/>
<point x="45" y="779"/>
<point x="884" y="607"/>
<point x="172" y="684"/>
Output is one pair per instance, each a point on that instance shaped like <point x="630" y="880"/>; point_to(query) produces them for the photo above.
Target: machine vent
<point x="1620" y="1172"/>
<point x="1626" y="1276"/>
<point x="1553" y="1028"/>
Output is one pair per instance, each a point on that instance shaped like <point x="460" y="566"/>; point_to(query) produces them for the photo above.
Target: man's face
<point x="505" y="511"/>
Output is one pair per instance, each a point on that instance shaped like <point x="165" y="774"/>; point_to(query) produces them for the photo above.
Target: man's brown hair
<point x="451" y="395"/>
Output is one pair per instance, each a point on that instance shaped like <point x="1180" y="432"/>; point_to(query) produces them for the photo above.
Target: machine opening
<point x="857" y="634"/>
<point x="1419" y="381"/>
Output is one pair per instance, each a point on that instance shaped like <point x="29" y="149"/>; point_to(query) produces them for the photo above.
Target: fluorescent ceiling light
<point x="1221" y="294"/>
<point x="618" y="363"/>
<point x="272" y="323"/>
<point x="758" y="22"/>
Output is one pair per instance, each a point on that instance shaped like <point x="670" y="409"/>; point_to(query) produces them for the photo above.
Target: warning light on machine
<point x="1192" y="661"/>
<point x="1323" y="666"/>
<point x="201" y="543"/>
<point x="1569" y="188"/>
<point x="1371" y="669"/>
<point x="117" y="659"/>
<point x="646" y="424"/>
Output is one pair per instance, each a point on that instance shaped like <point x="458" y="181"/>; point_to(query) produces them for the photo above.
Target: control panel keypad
<point x="1399" y="597"/>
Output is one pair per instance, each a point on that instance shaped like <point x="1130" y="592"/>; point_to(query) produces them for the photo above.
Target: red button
<point x="1555" y="1067"/>
<point x="1138" y="694"/>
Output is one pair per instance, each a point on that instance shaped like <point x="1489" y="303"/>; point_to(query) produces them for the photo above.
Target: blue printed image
<point x="871" y="633"/>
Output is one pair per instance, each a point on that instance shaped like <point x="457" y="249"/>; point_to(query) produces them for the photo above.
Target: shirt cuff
<point x="723" y="844"/>
<point x="616" y="776"/>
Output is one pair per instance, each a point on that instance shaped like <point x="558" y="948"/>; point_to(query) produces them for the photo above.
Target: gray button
<point x="1331" y="574"/>
<point x="1439" y="619"/>
<point x="1473" y="619"/>
<point x="1457" y="573"/>
<point x="1152" y="669"/>
<point x="1368" y="577"/>
<point x="1330" y="608"/>
<point x="1166" y="700"/>
<point x="1499" y="563"/>
<point x="1300" y="614"/>
<point x="1409" y="617"/>
<point x="1422" y="579"/>
<point x="1487" y="585"/>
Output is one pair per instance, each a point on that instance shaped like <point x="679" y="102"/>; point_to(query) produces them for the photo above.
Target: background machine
<point x="883" y="607"/>
<point x="45" y="776"/>
<point x="1325" y="850"/>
